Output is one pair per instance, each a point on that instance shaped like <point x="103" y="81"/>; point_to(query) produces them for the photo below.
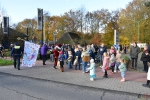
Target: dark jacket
<point x="78" y="53"/>
<point x="145" y="57"/>
<point x="134" y="51"/>
<point x="102" y="50"/>
<point x="16" y="51"/>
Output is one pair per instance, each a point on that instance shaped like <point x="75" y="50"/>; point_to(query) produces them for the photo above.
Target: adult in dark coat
<point x="16" y="52"/>
<point x="134" y="51"/>
<point x="102" y="49"/>
<point x="145" y="57"/>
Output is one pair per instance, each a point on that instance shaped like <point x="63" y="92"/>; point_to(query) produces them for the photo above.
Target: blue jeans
<point x="69" y="64"/>
<point x="123" y="74"/>
<point x="52" y="57"/>
<point x="84" y="66"/>
<point x="101" y="59"/>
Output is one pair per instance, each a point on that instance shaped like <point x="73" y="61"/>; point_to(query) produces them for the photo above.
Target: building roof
<point x="69" y="38"/>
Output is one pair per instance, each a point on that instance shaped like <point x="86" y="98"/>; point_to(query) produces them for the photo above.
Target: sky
<point x="18" y="10"/>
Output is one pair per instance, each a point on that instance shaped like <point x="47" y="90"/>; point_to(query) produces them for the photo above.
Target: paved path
<point x="132" y="85"/>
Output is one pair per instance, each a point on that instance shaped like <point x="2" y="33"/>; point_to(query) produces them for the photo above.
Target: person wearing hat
<point x="16" y="52"/>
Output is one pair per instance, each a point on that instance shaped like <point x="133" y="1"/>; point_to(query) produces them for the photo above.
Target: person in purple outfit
<point x="43" y="51"/>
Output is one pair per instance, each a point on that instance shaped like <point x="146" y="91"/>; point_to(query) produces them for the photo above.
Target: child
<point x="105" y="64"/>
<point x="61" y="58"/>
<point x="112" y="62"/>
<point x="92" y="70"/>
<point x="69" y="59"/>
<point x="118" y="57"/>
<point x="123" y="69"/>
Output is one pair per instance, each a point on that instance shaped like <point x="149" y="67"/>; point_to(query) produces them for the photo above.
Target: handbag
<point x="75" y="61"/>
<point x="112" y="64"/>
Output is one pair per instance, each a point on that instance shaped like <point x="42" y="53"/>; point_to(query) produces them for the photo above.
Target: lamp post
<point x="55" y="33"/>
<point x="138" y="26"/>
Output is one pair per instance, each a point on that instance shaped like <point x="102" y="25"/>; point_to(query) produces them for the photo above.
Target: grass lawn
<point x="6" y="62"/>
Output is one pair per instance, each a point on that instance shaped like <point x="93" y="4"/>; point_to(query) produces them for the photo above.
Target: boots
<point x="147" y="84"/>
<point x="61" y="69"/>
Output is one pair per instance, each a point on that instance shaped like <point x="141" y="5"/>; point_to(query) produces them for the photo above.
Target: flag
<point x="40" y="19"/>
<point x="6" y="24"/>
<point x="30" y="54"/>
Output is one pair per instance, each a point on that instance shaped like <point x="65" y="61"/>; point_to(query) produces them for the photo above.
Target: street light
<point x="138" y="23"/>
<point x="55" y="33"/>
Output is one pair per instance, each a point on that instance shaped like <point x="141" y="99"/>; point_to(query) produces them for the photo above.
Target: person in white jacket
<point x="92" y="70"/>
<point x="148" y="78"/>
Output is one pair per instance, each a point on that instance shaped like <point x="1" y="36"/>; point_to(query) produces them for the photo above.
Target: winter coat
<point x="145" y="57"/>
<point x="102" y="50"/>
<point x="134" y="51"/>
<point x="122" y="67"/>
<point x="78" y="53"/>
<point x="92" y="70"/>
<point x="105" y="63"/>
<point x="112" y="60"/>
<point x="85" y="56"/>
<point x="61" y="57"/>
<point x="56" y="53"/>
<point x="44" y="50"/>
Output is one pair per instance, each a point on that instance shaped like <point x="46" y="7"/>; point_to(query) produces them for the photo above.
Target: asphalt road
<point x="19" y="88"/>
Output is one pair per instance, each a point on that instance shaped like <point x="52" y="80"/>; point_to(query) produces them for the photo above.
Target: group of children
<point x="111" y="60"/>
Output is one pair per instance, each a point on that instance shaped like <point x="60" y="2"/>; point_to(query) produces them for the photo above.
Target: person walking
<point x="44" y="50"/>
<point x="145" y="58"/>
<point x="85" y="59"/>
<point x="105" y="64"/>
<point x="16" y="53"/>
<point x="61" y="59"/>
<point x="69" y="59"/>
<point x="118" y="58"/>
<point x="92" y="70"/>
<point x="78" y="56"/>
<point x="112" y="62"/>
<point x="123" y="69"/>
<point x="56" y="54"/>
<point x="101" y="50"/>
<point x="134" y="51"/>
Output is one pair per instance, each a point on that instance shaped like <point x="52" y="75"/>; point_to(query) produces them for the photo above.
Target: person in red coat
<point x="56" y="55"/>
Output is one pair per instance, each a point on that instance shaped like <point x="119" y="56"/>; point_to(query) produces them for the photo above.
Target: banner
<point x="30" y="54"/>
<point x="40" y="19"/>
<point x="6" y="25"/>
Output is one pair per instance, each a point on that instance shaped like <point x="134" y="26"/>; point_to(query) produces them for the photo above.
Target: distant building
<point x="69" y="38"/>
<point x="7" y="39"/>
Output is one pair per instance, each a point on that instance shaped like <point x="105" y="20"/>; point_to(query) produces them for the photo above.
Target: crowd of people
<point x="84" y="58"/>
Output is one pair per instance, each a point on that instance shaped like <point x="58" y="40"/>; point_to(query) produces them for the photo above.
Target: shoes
<point x="105" y="76"/>
<point x="44" y="64"/>
<point x="115" y="71"/>
<point x="145" y="85"/>
<point x="18" y="68"/>
<point x="54" y="68"/>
